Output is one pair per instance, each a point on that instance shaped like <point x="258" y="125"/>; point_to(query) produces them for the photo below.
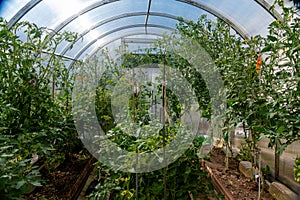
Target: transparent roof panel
<point x="51" y="12"/>
<point x="180" y="9"/>
<point x="9" y="8"/>
<point x="115" y="9"/>
<point x="249" y="15"/>
<point x="130" y="31"/>
<point x="103" y="21"/>
<point x="162" y="21"/>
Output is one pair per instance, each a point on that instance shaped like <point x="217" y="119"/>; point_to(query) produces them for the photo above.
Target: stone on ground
<point x="245" y="168"/>
<point x="281" y="192"/>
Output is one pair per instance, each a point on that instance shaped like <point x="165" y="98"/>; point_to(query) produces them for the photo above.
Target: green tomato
<point x="295" y="170"/>
<point x="297" y="161"/>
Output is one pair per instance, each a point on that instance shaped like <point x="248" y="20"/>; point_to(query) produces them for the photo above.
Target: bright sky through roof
<point x="67" y="8"/>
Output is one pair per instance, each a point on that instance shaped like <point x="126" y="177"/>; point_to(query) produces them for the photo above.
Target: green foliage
<point x="267" y="173"/>
<point x="281" y="82"/>
<point x="33" y="120"/>
<point x="245" y="153"/>
<point x="183" y="175"/>
<point x="143" y="133"/>
<point x="17" y="173"/>
<point x="267" y="100"/>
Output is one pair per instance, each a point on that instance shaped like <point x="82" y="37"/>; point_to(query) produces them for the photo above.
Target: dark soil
<point x="59" y="182"/>
<point x="240" y="187"/>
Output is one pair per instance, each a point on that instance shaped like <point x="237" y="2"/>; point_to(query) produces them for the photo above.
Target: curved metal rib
<point x="116" y="30"/>
<point x="116" y="18"/>
<point x="239" y="29"/>
<point x="267" y="6"/>
<point x="22" y="12"/>
<point x="93" y="52"/>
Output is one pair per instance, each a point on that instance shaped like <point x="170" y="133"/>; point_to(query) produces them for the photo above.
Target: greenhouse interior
<point x="150" y="99"/>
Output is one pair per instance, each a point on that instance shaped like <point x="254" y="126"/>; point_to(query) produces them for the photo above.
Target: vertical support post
<point x="164" y="127"/>
<point x="260" y="174"/>
<point x="135" y="107"/>
<point x="53" y="87"/>
<point x="277" y="161"/>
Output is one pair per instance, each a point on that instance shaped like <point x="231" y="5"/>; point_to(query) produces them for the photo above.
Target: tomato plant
<point x="260" y="74"/>
<point x="34" y="120"/>
<point x="180" y="179"/>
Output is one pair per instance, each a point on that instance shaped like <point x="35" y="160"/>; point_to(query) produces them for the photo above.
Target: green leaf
<point x="282" y="148"/>
<point x="20" y="184"/>
<point x="281" y="129"/>
<point x="36" y="183"/>
<point x="295" y="49"/>
<point x="5" y="155"/>
<point x="266" y="48"/>
<point x="272" y="38"/>
<point x="272" y="115"/>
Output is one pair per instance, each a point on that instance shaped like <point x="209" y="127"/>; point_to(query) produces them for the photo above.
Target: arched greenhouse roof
<point x="102" y="22"/>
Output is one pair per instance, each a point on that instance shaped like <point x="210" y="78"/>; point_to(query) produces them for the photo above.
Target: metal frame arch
<point x="218" y="13"/>
<point x="33" y="3"/>
<point x="22" y="12"/>
<point x="213" y="11"/>
<point x="239" y="29"/>
<point x="83" y="11"/>
<point x="117" y="17"/>
<point x="116" y="30"/>
<point x="125" y="35"/>
<point x="94" y="51"/>
<point x="266" y="6"/>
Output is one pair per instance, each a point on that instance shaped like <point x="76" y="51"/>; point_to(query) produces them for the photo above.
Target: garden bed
<point x="66" y="182"/>
<point x="235" y="184"/>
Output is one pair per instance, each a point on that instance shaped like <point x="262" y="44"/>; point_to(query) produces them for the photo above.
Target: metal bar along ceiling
<point x="227" y="10"/>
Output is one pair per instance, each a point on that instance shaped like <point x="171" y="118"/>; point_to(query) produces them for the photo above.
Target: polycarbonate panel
<point x="100" y="20"/>
<point x="192" y="10"/>
<point x="109" y="25"/>
<point x="8" y="8"/>
<point x="114" y="9"/>
<point x="117" y="43"/>
<point x="116" y="35"/>
<point x="179" y="9"/>
<point x="162" y="21"/>
<point x="50" y="13"/>
<point x="114" y="42"/>
<point x="247" y="14"/>
<point x="107" y="29"/>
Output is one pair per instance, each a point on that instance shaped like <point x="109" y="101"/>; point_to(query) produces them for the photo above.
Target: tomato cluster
<point x="297" y="169"/>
